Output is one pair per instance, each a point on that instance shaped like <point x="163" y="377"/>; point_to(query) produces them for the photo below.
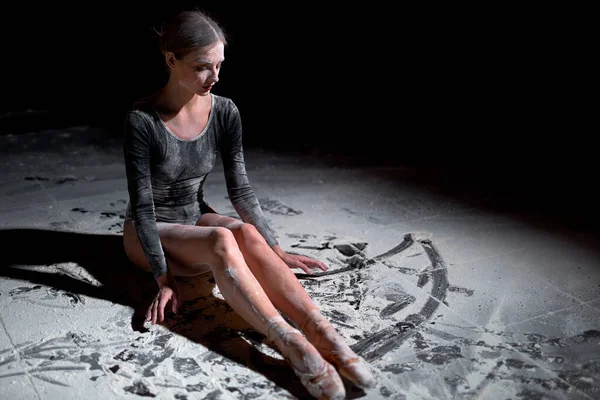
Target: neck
<point x="176" y="98"/>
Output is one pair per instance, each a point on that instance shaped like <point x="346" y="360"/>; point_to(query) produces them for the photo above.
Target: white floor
<point x="480" y="304"/>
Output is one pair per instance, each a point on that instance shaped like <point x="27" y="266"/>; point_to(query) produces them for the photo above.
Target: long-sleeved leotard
<point x="166" y="174"/>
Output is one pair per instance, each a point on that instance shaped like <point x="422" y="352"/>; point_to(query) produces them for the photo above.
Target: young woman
<point x="172" y="138"/>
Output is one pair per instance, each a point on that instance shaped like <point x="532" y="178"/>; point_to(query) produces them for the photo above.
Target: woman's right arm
<point x="137" y="149"/>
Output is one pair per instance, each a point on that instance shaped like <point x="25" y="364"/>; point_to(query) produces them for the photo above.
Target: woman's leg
<point x="289" y="296"/>
<point x="190" y="248"/>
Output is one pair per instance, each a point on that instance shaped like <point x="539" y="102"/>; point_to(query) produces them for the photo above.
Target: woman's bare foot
<point x="318" y="376"/>
<point x="334" y="349"/>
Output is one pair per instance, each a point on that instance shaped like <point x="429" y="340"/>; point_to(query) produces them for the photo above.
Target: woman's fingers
<point x="304" y="267"/>
<point x="175" y="304"/>
<point x="161" y="309"/>
<point x="320" y="265"/>
<point x="312" y="262"/>
<point x="154" y="310"/>
<point x="307" y="264"/>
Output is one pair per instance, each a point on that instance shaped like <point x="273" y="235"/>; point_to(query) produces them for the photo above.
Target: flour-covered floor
<point x="446" y="296"/>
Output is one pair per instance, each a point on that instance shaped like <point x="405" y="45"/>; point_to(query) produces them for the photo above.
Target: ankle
<point x="318" y="329"/>
<point x="288" y="339"/>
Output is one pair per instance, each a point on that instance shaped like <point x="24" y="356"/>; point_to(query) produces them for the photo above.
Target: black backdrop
<point x="489" y="89"/>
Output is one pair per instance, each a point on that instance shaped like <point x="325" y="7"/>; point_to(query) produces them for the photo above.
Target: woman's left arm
<point x="241" y="194"/>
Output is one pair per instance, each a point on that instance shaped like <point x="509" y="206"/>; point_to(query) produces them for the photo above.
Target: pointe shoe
<point x="354" y="368"/>
<point x="332" y="347"/>
<point x="325" y="385"/>
<point x="318" y="376"/>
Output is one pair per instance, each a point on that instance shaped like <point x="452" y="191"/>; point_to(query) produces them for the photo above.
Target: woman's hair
<point x="189" y="31"/>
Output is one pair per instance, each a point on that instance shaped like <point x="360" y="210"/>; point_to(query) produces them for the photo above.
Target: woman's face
<point x="199" y="70"/>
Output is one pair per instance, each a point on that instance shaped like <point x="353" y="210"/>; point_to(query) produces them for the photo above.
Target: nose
<point x="214" y="75"/>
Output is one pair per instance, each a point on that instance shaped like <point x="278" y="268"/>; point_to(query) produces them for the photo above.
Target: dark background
<point x="502" y="95"/>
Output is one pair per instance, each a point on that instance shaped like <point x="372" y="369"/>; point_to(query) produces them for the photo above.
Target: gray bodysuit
<point x="166" y="174"/>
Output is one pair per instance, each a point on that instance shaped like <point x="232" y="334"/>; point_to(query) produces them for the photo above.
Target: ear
<point x="170" y="59"/>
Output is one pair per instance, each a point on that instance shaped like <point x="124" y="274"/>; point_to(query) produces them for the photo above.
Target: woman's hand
<point x="167" y="291"/>
<point x="299" y="261"/>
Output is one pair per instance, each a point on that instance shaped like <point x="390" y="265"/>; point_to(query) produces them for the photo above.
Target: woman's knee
<point x="248" y="233"/>
<point x="200" y="247"/>
<point x="222" y="242"/>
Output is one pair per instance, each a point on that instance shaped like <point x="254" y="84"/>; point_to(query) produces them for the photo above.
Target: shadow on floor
<point x="203" y="317"/>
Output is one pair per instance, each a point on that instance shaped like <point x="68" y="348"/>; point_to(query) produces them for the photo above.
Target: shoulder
<point x="137" y="123"/>
<point x="141" y="114"/>
<point x="139" y="127"/>
<point x="226" y="113"/>
<point x="224" y="105"/>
